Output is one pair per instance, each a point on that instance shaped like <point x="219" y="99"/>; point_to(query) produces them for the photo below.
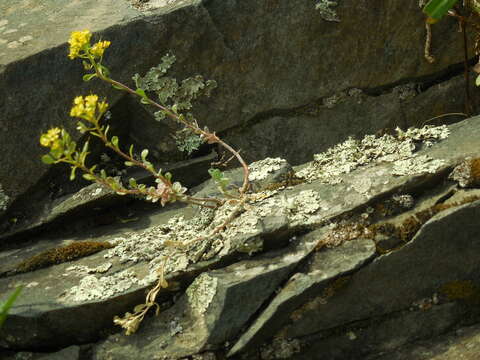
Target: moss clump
<point x="464" y="290"/>
<point x="63" y="254"/>
<point x="343" y="233"/>
<point x="475" y="171"/>
<point x="409" y="228"/>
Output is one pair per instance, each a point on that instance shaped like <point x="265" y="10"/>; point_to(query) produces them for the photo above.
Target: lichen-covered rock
<point x="245" y="46"/>
<point x="305" y="251"/>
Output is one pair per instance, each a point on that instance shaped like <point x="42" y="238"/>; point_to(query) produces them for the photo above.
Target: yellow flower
<point x="88" y="108"/>
<point x="51" y="138"/>
<point x="78" y="40"/>
<point x="99" y="48"/>
<point x="102" y="107"/>
<point x="91" y="100"/>
<point x="78" y="108"/>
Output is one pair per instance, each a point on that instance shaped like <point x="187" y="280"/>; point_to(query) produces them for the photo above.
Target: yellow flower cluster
<point x="51" y="139"/>
<point x="86" y="108"/>
<point x="77" y="41"/>
<point x="98" y="48"/>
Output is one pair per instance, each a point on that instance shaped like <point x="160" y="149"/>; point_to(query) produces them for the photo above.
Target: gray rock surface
<point x="360" y="252"/>
<point x="463" y="343"/>
<point x="311" y="129"/>
<point x="266" y="56"/>
<point x="296" y="268"/>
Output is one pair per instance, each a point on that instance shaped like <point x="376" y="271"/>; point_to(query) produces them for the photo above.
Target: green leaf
<point x="215" y="174"/>
<point x="103" y="174"/>
<point x="168" y="176"/>
<point x="85" y="147"/>
<point x="86" y="65"/>
<point x="130" y="151"/>
<point x="89" y="177"/>
<point x="104" y="70"/>
<point x="88" y="77"/>
<point x="115" y="141"/>
<point x="56" y="153"/>
<point x="219" y="178"/>
<point x="82" y="158"/>
<point x="118" y="87"/>
<point x="132" y="182"/>
<point x="436" y="9"/>
<point x="144" y="101"/>
<point x="129" y="163"/>
<point x="5" y="307"/>
<point x="107" y="129"/>
<point x="477" y="81"/>
<point x="144" y="154"/>
<point x="141" y="92"/>
<point x="47" y="159"/>
<point x="137" y="79"/>
<point x="72" y="173"/>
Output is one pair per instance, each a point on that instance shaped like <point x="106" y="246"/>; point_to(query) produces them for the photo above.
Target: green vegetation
<point x="173" y="101"/>
<point x="5" y="307"/>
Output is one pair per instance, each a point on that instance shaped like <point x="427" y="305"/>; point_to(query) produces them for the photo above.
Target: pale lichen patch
<point x="83" y="270"/>
<point x="92" y="288"/>
<point x="351" y="154"/>
<point x="4" y="199"/>
<point x="259" y="170"/>
<point x="325" y="8"/>
<point x="201" y="292"/>
<point x="417" y="165"/>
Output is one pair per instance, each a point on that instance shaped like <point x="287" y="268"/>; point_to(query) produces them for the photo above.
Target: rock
<point x="98" y="199"/>
<point x="337" y="195"/>
<point x="311" y="129"/>
<point x="246" y="47"/>
<point x="214" y="308"/>
<point x="461" y="343"/>
<point x="416" y="269"/>
<point x="69" y="353"/>
<point x="324" y="268"/>
<point x="384" y="335"/>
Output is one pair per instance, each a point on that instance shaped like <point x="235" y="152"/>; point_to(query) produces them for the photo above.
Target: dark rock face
<point x="351" y="258"/>
<point x="267" y="57"/>
<point x="304" y="271"/>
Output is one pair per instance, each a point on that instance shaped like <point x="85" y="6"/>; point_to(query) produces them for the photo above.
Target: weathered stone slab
<point x="444" y="250"/>
<point x="316" y="127"/>
<point x="70" y="353"/>
<point x="214" y="309"/>
<point x="92" y="293"/>
<point x="325" y="267"/>
<point x="246" y="46"/>
<point x="383" y="335"/>
<point x="95" y="196"/>
<point x="463" y="343"/>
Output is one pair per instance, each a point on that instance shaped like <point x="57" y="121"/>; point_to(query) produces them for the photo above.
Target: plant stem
<point x="177" y="118"/>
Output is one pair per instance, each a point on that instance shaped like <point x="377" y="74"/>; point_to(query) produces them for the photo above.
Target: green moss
<point x="410" y="226"/>
<point x="475" y="171"/>
<point x="60" y="255"/>
<point x="464" y="290"/>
